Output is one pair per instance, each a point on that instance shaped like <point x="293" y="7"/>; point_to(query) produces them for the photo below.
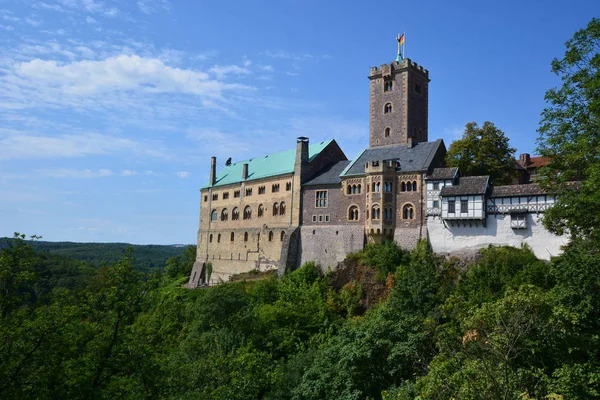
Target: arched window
<point x="275" y="208"/>
<point x="353" y="213"/>
<point x="214" y="215"/>
<point x="408" y="187"/>
<point x="414" y="186"/>
<point x="387" y="108"/>
<point x="408" y="212"/>
<point x="235" y="214"/>
<point x="232" y="237"/>
<point x="219" y="238"/>
<point x="376" y="212"/>
<point x="261" y="210"/>
<point x="349" y="189"/>
<point x="245" y="236"/>
<point x="377" y="187"/>
<point x="387" y="132"/>
<point x="403" y="187"/>
<point x="224" y="215"/>
<point x="270" y="236"/>
<point x="282" y="208"/>
<point x="210" y="238"/>
<point x="247" y="212"/>
<point x="282" y="235"/>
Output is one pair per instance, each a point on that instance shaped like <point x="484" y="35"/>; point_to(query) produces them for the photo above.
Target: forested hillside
<point x="97" y="254"/>
<point x="508" y="326"/>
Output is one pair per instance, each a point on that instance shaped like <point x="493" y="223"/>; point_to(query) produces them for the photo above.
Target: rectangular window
<point x="451" y="206"/>
<point x="327" y="218"/>
<point x="275" y="188"/>
<point x="225" y="195"/>
<point x="261" y="190"/>
<point x="436" y="204"/>
<point x="464" y="206"/>
<point x="436" y="186"/>
<point x="215" y="196"/>
<point x="205" y="199"/>
<point x="387" y="187"/>
<point x="236" y="193"/>
<point x="314" y="218"/>
<point x="321" y="199"/>
<point x="320" y="218"/>
<point x="288" y="186"/>
<point x="249" y="192"/>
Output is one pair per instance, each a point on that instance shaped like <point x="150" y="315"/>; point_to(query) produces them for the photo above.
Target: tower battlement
<point x="397" y="67"/>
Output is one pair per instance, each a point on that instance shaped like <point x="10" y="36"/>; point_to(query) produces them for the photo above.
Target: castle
<point x="313" y="204"/>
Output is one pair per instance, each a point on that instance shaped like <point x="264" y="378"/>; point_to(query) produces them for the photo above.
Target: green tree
<point x="483" y="151"/>
<point x="569" y="135"/>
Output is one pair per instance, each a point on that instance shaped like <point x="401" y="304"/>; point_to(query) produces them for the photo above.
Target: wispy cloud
<point x="74" y="173"/>
<point x="24" y="145"/>
<point x="289" y="56"/>
<point x="183" y="174"/>
<point x="152" y="6"/>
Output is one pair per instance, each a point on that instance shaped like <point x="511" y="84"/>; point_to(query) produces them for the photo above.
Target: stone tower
<point x="398" y="104"/>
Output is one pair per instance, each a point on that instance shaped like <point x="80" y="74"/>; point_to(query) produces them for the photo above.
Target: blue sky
<point x="111" y="109"/>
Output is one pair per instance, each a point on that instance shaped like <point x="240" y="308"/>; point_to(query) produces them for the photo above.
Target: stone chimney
<point x="302" y="150"/>
<point x="409" y="142"/>
<point x="524" y="159"/>
<point x="213" y="171"/>
<point x="245" y="171"/>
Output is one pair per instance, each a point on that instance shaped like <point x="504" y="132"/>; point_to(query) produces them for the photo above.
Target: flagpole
<point x="404" y="46"/>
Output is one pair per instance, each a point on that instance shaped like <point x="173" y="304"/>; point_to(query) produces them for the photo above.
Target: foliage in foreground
<point x="509" y="326"/>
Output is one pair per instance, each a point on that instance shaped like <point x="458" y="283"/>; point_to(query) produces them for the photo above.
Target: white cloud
<point x="183" y="174"/>
<point x="7" y="27"/>
<point x="268" y="68"/>
<point x="74" y="173"/>
<point x="90" y="20"/>
<point x="122" y="73"/>
<point x="128" y="172"/>
<point x="151" y="6"/>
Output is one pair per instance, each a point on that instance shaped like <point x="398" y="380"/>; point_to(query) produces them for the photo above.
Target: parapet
<point x="404" y="65"/>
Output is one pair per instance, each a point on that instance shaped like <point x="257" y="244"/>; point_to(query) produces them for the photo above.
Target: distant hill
<point x="145" y="256"/>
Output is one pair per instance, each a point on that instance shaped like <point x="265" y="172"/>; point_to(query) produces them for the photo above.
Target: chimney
<point x="245" y="171"/>
<point x="302" y="150"/>
<point x="524" y="159"/>
<point x="409" y="142"/>
<point x="213" y="171"/>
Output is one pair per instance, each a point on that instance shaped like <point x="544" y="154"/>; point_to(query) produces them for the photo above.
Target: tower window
<point x="245" y="236"/>
<point x="353" y="213"/>
<point x="387" y="108"/>
<point x="249" y="192"/>
<point x="418" y="88"/>
<point x="376" y="212"/>
<point x="261" y="210"/>
<point x="282" y="208"/>
<point x="282" y="235"/>
<point x="224" y="215"/>
<point x="247" y="212"/>
<point x="232" y="237"/>
<point x="387" y="132"/>
<point x="408" y="212"/>
<point x="288" y="186"/>
<point x="215" y="197"/>
<point x="225" y="195"/>
<point x="275" y="209"/>
<point x="236" y="193"/>
<point x="261" y="190"/>
<point x="270" y="236"/>
<point x="214" y="215"/>
<point x="387" y="86"/>
<point x="275" y="188"/>
<point x="235" y="214"/>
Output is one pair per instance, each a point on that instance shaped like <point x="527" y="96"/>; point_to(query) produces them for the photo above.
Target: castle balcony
<point x="379" y="167"/>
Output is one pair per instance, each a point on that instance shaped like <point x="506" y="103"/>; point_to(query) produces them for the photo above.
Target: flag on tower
<point x="401" y="40"/>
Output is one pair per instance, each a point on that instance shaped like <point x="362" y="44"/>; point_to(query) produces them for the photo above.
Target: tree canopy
<point x="570" y="135"/>
<point x="483" y="150"/>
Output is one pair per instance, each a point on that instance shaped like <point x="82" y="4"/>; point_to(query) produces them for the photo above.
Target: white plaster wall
<point x="465" y="239"/>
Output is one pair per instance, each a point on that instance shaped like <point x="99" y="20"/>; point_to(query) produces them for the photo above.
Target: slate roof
<point x="416" y="158"/>
<point x="467" y="185"/>
<point x="330" y="176"/>
<point x="443" y="173"/>
<point x="530" y="189"/>
<point x="265" y="166"/>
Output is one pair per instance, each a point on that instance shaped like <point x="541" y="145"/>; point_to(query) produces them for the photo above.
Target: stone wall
<point x="466" y="240"/>
<point x="329" y="245"/>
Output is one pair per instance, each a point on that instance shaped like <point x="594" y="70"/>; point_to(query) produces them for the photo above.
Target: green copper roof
<point x="265" y="166"/>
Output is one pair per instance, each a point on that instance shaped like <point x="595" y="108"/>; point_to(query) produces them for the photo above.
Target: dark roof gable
<point x="330" y="176"/>
<point x="467" y="185"/>
<point x="443" y="173"/>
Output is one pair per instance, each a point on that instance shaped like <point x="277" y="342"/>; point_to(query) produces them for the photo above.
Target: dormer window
<point x="387" y="108"/>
